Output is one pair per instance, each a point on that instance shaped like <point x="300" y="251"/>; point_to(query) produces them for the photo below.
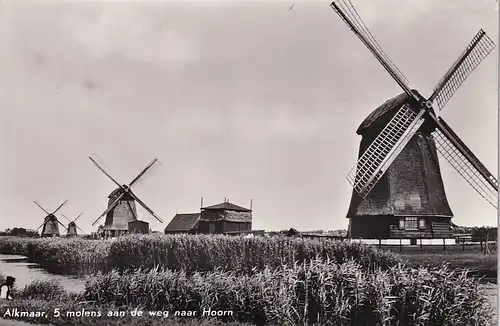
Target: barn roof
<point x="227" y="206"/>
<point x="183" y="222"/>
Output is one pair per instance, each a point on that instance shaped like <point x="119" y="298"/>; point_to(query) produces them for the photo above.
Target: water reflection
<point x="25" y="272"/>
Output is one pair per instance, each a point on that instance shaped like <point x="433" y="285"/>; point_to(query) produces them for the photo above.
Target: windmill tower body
<point x="123" y="213"/>
<point x="398" y="191"/>
<point x="50" y="226"/>
<point x="409" y="200"/>
<point x="72" y="230"/>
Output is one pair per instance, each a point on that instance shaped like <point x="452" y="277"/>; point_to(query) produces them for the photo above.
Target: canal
<point x="26" y="272"/>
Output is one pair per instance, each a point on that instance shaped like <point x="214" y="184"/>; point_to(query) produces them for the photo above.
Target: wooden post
<point x="463" y="244"/>
<point x="400" y="245"/>
<point x="420" y="244"/>
<point x="379" y="243"/>
<point x="444" y="244"/>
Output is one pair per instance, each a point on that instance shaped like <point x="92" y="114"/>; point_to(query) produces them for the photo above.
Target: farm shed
<point x="224" y="218"/>
<point x="409" y="201"/>
<point x="138" y="227"/>
<point x="183" y="223"/>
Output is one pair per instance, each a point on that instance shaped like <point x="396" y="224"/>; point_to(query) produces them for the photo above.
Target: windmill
<point x="398" y="190"/>
<point x="121" y="214"/>
<point x="50" y="225"/>
<point x="72" y="226"/>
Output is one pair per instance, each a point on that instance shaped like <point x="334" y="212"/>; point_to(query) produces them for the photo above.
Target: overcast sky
<point x="236" y="99"/>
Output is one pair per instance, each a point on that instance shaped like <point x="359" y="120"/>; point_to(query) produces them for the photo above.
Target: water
<point x="26" y="272"/>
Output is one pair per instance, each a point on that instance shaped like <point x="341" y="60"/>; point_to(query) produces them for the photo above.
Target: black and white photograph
<point x="249" y="162"/>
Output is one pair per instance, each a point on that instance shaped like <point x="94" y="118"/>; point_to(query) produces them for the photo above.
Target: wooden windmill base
<point x="134" y="227"/>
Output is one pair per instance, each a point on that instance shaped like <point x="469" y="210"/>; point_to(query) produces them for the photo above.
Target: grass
<point x="483" y="265"/>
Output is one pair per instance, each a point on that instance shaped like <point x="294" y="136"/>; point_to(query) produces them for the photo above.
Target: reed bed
<point x="194" y="252"/>
<point x="57" y="251"/>
<point x="316" y="292"/>
<point x="313" y="292"/>
<point x="236" y="253"/>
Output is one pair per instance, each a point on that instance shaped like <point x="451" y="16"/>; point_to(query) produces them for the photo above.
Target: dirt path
<point x="491" y="293"/>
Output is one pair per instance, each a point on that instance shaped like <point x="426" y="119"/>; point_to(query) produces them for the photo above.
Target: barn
<point x="138" y="227"/>
<point x="221" y="218"/>
<point x="183" y="223"/>
<point x="225" y="218"/>
<point x="409" y="201"/>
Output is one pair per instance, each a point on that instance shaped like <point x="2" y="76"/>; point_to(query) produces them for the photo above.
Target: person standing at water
<point x="5" y="289"/>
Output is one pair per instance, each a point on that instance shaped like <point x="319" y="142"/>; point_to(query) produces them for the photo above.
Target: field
<point x="276" y="281"/>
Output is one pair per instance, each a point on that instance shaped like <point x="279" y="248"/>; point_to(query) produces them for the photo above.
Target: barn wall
<point x="236" y="226"/>
<point x="138" y="227"/>
<point x="233" y="216"/>
<point x="212" y="215"/>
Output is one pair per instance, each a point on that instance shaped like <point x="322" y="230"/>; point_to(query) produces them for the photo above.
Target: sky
<point x="238" y="99"/>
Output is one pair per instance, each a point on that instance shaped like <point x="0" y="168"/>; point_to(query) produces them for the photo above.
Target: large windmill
<point x="50" y="225"/>
<point x="121" y="214"/>
<point x="72" y="226"/>
<point x="398" y="190"/>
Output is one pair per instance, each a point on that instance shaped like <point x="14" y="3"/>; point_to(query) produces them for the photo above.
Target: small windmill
<point x="397" y="176"/>
<point x="72" y="226"/>
<point x="122" y="211"/>
<point x="50" y="225"/>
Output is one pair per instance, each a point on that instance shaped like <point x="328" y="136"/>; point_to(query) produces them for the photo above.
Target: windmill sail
<point x="466" y="163"/>
<point x="349" y="15"/>
<point x="478" y="49"/>
<point x="398" y="132"/>
<point x="384" y="149"/>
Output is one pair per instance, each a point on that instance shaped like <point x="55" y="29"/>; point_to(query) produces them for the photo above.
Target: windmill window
<point x="421" y="223"/>
<point x="411" y="223"/>
<point x="402" y="224"/>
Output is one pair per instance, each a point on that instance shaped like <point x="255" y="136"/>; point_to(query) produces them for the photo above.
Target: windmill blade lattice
<point x="478" y="49"/>
<point x="467" y="165"/>
<point x="145" y="207"/>
<point x="104" y="171"/>
<point x="61" y="223"/>
<point x="384" y="150"/>
<point x="146" y="174"/>
<point x="66" y="217"/>
<point x="350" y="16"/>
<point x="60" y="206"/>
<point x="110" y="207"/>
<point x="43" y="209"/>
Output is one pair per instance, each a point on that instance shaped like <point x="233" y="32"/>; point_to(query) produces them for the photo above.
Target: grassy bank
<point x="318" y="291"/>
<point x="482" y="265"/>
